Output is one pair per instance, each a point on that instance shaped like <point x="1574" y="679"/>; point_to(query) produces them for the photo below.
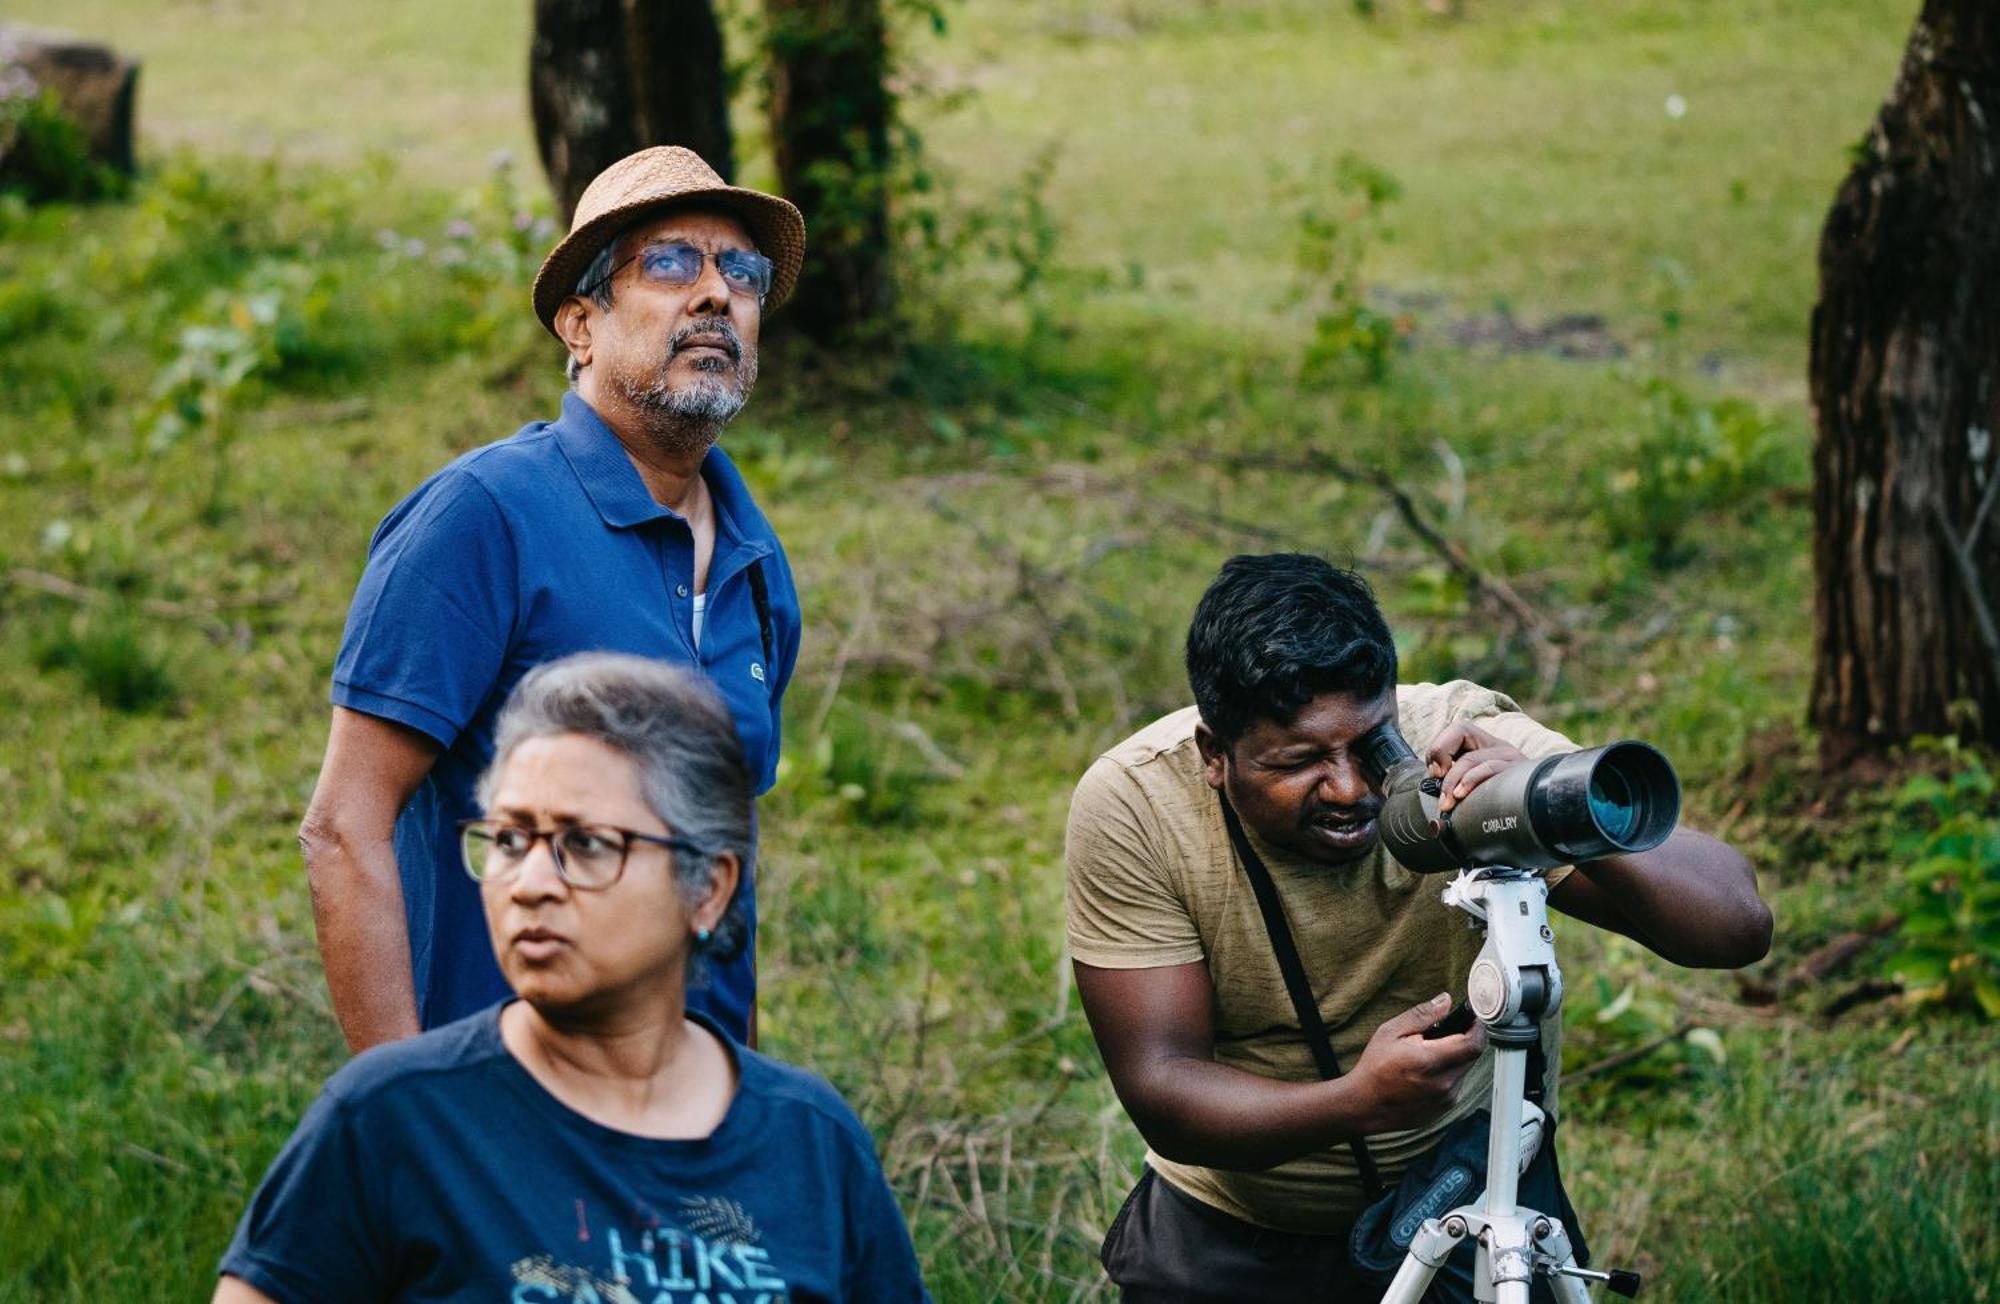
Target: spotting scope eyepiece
<point x="1535" y="814"/>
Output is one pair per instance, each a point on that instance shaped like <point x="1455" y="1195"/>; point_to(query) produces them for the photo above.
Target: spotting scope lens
<point x="1535" y="814"/>
<point x="1612" y="805"/>
<point x="1632" y="796"/>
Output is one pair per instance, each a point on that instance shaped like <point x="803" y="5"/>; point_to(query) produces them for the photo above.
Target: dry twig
<point x="1632" y="1056"/>
<point x="1542" y="634"/>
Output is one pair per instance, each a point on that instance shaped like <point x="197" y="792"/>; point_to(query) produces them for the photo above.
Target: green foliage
<point x="43" y="155"/>
<point x="1894" y="1203"/>
<point x="1613" y="1010"/>
<point x="1341" y="219"/>
<point x="1002" y="253"/>
<point x="1692" y="457"/>
<point x="115" y="659"/>
<point x="1949" y="894"/>
<point x="196" y="391"/>
<point x="861" y="770"/>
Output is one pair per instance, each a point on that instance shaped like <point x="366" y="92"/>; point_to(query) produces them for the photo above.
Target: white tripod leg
<point x="1429" y="1248"/>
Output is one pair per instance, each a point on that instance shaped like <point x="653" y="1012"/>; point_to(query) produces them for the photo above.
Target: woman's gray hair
<point x="679" y="735"/>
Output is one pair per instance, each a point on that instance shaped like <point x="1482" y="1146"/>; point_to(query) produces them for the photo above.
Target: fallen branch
<point x="1865" y="992"/>
<point x="1543" y="635"/>
<point x="1837" y="954"/>
<point x="56" y="586"/>
<point x="1632" y="1056"/>
<point x="205" y="617"/>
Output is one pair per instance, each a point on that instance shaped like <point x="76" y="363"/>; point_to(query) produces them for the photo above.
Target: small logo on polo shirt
<point x="757" y="671"/>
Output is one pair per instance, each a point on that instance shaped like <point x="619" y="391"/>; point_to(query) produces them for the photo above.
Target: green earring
<point x="701" y="936"/>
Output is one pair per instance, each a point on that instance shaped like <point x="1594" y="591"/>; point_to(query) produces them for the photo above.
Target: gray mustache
<point x="707" y="333"/>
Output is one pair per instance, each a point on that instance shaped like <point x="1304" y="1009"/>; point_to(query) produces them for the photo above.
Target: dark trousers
<point x="1169" y="1248"/>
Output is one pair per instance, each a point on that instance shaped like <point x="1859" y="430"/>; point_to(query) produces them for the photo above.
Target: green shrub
<point x="1950" y="886"/>
<point x="1344" y="216"/>
<point x="1691" y="457"/>
<point x="43" y="155"/>
<point x="114" y="659"/>
<point x="863" y="772"/>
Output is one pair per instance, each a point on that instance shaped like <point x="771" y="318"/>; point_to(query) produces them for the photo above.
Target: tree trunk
<point x="831" y="112"/>
<point x="1905" y="359"/>
<point x="608" y="77"/>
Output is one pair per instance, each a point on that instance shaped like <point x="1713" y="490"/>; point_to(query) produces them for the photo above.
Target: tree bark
<point x="1905" y="360"/>
<point x="608" y="77"/>
<point x="831" y="111"/>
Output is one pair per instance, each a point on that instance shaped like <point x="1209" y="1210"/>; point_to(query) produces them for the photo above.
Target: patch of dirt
<point x="1583" y="336"/>
<point x="1580" y="335"/>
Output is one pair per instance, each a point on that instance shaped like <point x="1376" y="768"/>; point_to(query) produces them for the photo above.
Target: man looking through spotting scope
<point x="1251" y="1185"/>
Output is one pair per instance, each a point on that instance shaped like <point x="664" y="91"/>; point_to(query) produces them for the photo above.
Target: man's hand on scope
<point x="1465" y="756"/>
<point x="1410" y="1079"/>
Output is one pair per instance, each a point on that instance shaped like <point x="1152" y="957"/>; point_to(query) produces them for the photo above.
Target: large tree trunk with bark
<point x="831" y="111"/>
<point x="607" y="77"/>
<point x="1906" y="397"/>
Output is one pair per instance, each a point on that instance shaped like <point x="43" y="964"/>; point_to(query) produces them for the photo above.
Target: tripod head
<point x="1515" y="982"/>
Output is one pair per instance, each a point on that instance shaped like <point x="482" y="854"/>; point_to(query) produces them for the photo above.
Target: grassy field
<point x="1000" y="532"/>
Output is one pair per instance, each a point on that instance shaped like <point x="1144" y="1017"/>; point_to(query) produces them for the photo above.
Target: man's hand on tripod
<point x="1409" y="1079"/>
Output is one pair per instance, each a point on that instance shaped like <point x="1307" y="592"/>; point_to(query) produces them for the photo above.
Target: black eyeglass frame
<point x="681" y="845"/>
<point x="770" y="268"/>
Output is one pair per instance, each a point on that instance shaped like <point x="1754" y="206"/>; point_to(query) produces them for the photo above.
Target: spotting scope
<point x="1535" y="814"/>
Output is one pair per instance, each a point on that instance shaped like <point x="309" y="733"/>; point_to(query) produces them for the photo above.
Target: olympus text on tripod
<point x="1602" y="801"/>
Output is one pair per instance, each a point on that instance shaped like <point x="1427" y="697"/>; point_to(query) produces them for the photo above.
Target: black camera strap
<point x="1296" y="982"/>
<point x="760" y="595"/>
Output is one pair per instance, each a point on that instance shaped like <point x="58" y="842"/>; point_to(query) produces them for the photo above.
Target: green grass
<point x="999" y="538"/>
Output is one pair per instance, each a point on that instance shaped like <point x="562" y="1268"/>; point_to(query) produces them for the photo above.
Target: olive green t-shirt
<point x="1153" y="881"/>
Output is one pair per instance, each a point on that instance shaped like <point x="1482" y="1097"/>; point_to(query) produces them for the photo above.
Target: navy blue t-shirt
<point x="438" y="1169"/>
<point x="518" y="553"/>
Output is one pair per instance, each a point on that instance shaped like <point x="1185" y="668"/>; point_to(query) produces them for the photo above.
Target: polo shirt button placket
<point x="683" y="622"/>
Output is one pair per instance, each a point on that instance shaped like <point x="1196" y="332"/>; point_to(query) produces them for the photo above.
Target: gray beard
<point x="687" y="420"/>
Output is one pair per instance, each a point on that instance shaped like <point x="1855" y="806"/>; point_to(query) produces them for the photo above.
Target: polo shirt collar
<point x="606" y="472"/>
<point x="604" y="467"/>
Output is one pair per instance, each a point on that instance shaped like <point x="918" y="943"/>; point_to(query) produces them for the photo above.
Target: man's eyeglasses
<point x="587" y="856"/>
<point x="744" y="271"/>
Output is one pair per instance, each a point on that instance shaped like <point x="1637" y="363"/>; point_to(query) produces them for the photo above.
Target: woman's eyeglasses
<point x="587" y="856"/>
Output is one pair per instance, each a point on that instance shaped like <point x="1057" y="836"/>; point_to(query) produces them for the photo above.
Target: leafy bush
<point x="114" y="659"/>
<point x="1950" y="891"/>
<point x="1343" y="218"/>
<point x="1692" y="456"/>
<point x="864" y="771"/>
<point x="43" y="155"/>
<point x="1617" y="1016"/>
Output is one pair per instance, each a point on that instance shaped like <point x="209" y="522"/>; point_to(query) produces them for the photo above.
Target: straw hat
<point x="654" y="178"/>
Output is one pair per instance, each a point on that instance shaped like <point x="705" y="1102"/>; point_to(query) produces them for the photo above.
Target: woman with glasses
<point x="590" y="1140"/>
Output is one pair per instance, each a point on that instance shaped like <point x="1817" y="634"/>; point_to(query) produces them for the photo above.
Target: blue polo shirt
<point x="516" y="554"/>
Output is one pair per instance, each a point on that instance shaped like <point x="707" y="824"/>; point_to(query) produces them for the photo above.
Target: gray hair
<point x="595" y="285"/>
<point x="677" y="733"/>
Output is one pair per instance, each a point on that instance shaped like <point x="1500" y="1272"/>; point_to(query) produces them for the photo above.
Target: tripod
<point x="1513" y="986"/>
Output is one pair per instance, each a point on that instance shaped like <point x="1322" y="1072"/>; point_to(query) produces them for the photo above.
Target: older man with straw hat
<point x="619" y="526"/>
